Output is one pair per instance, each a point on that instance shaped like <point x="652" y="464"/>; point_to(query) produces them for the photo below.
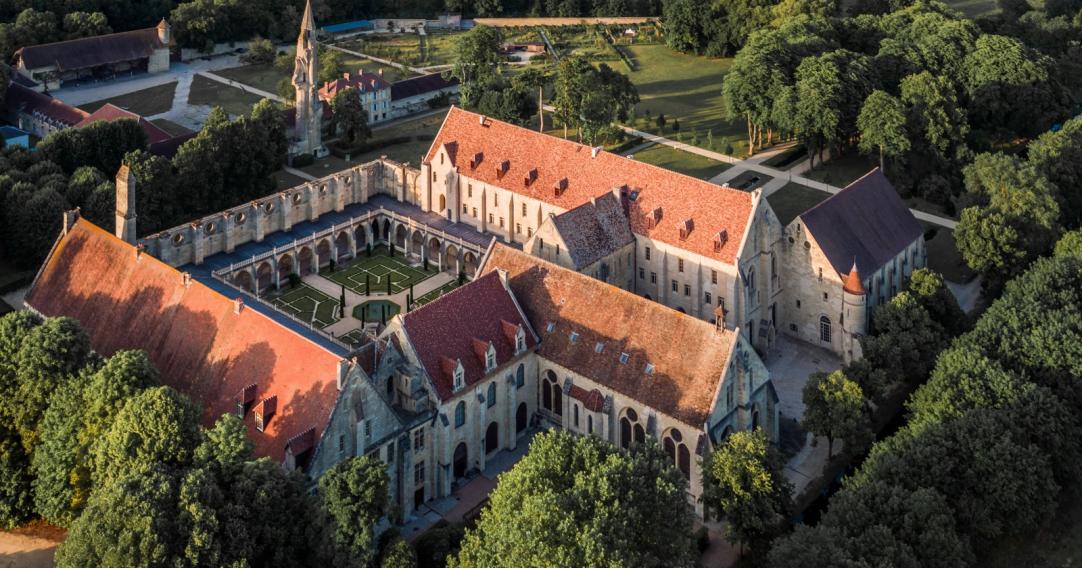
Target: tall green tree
<point x="354" y="494"/>
<point x="834" y="406"/>
<point x="476" y="62"/>
<point x="1058" y="157"/>
<point x="580" y="501"/>
<point x="350" y="116"/>
<point x="51" y="355"/>
<point x="16" y="503"/>
<point x="882" y="126"/>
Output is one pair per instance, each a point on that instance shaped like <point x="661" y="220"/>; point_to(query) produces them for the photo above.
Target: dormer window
<point x="655" y="217"/>
<point x="599" y="347"/>
<point x="520" y="340"/>
<point x="686" y="228"/>
<point x="490" y="358"/>
<point x="623" y="358"/>
<point x="560" y="187"/>
<point x="459" y="376"/>
<point x="649" y="369"/>
<point x="720" y="239"/>
<point x="550" y="327"/>
<point x="574" y="336"/>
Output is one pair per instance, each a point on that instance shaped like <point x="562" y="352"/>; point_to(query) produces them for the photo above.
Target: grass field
<point x="681" y="161"/>
<point x="688" y="88"/>
<point x="420" y="130"/>
<point x="145" y="102"/>
<point x="210" y="92"/>
<point x="263" y="77"/>
<point x="794" y="199"/>
<point x="433" y="295"/>
<point x="352" y="338"/>
<point x="843" y="170"/>
<point x="374" y="310"/>
<point x="378" y="268"/>
<point x="943" y="255"/>
<point x="309" y="305"/>
<point x="407" y="48"/>
<point x="171" y="127"/>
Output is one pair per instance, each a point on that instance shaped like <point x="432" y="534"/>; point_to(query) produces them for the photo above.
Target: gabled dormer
<point x="454" y="371"/>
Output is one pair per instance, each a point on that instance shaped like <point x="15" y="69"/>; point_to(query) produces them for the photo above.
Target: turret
<point x="165" y="32"/>
<point x="854" y="312"/>
<point x="125" y="204"/>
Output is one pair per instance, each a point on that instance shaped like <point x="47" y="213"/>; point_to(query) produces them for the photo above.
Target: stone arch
<point x="400" y="237"/>
<point x="469" y="263"/>
<point x="631" y="427"/>
<point x="826" y="330"/>
<point x="451" y="258"/>
<point x="492" y="437"/>
<point x="286" y="266"/>
<point x="755" y="423"/>
<point x="386" y="232"/>
<point x="323" y="251"/>
<point x="361" y="236"/>
<point x="443" y="204"/>
<point x="243" y="280"/>
<point x="461" y="460"/>
<point x="264" y="276"/>
<point x="417" y="243"/>
<point x="521" y="419"/>
<point x="304" y="261"/>
<point x="341" y="245"/>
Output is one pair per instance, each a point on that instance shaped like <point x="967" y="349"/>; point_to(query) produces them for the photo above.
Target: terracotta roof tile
<point x="458" y="326"/>
<point x="592" y="400"/>
<point x="363" y="82"/>
<point x="569" y="175"/>
<point x="200" y="346"/>
<point x="689" y="356"/>
<point x="853" y="285"/>
<point x="109" y="111"/>
<point x="24" y="99"/>
<point x="594" y="229"/>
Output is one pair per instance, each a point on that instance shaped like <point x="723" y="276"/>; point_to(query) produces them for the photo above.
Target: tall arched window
<point x="630" y="429"/>
<point x="824" y="329"/>
<point x="576" y="417"/>
<point x="557" y="399"/>
<point x="677" y="450"/>
<point x="589" y="424"/>
<point x="491" y="395"/>
<point x="625" y="432"/>
<point x="546" y="394"/>
<point x="520" y="376"/>
<point x="460" y="414"/>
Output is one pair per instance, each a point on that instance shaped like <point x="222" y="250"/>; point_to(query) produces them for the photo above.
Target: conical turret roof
<point x="853" y="285"/>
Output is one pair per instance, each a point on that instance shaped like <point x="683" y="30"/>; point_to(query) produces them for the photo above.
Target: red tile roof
<point x="193" y="336"/>
<point x="853" y="285"/>
<point x="363" y="82"/>
<point x="29" y="101"/>
<point x="458" y="326"/>
<point x="689" y="356"/>
<point x="592" y="400"/>
<point x="565" y="163"/>
<point x="155" y="135"/>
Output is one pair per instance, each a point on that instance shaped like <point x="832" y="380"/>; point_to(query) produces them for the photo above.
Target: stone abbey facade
<point x="607" y="297"/>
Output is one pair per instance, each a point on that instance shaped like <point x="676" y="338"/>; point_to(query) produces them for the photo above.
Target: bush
<point x="439" y="542"/>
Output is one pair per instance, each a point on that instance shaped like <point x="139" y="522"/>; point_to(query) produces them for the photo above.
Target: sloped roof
<point x="92" y="51"/>
<point x="853" y="285"/>
<point x="867" y="222"/>
<point x="689" y="356"/>
<point x="24" y="99"/>
<point x="714" y="208"/>
<point x="192" y="334"/>
<point x="363" y="82"/>
<point x="594" y="229"/>
<point x="452" y="328"/>
<point x="109" y="111"/>
<point x="414" y="86"/>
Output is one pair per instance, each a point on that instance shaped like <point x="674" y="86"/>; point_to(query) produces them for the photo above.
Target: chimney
<point x="482" y="119"/>
<point x="595" y="151"/>
<point x="186" y="279"/>
<point x="70" y="217"/>
<point x="238" y="304"/>
<point x="125" y="204"/>
<point x="139" y="248"/>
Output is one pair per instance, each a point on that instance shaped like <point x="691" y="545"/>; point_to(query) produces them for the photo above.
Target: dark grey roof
<point x="594" y="229"/>
<point x="867" y="222"/>
<point x="92" y="51"/>
<point x="420" y="85"/>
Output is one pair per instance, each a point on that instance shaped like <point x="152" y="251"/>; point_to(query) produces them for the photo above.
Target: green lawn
<point x="943" y="255"/>
<point x="684" y="87"/>
<point x="171" y="127"/>
<point x="309" y="305"/>
<point x="352" y="338"/>
<point x="286" y="180"/>
<point x="376" y="310"/>
<point x="429" y="297"/>
<point x="376" y="270"/>
<point x="794" y="199"/>
<point x="681" y="161"/>
<point x="407" y="49"/>
<point x="843" y="170"/>
<point x="210" y="92"/>
<point x="145" y="102"/>
<point x="264" y="77"/>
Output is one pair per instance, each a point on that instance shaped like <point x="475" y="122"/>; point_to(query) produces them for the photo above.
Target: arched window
<point x="640" y="434"/>
<point x="557" y="400"/>
<point x="460" y="414"/>
<point x="491" y="394"/>
<point x="520" y="376"/>
<point x="683" y="460"/>
<point x="576" y="417"/>
<point x="589" y="424"/>
<point x="546" y="394"/>
<point x="625" y="432"/>
<point x="824" y="329"/>
<point x="677" y="451"/>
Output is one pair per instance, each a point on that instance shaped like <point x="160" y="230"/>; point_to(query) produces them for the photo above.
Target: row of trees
<point x="31" y="27"/>
<point x="991" y="440"/>
<point x="97" y="445"/>
<point x="920" y="85"/>
<point x="721" y="27"/>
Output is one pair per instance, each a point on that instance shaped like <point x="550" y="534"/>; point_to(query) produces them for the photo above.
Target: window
<point x="518" y="228"/>
<point x="418" y="439"/>
<point x="647" y="253"/>
<point x="820" y="272"/>
<point x="824" y="329"/>
<point x="798" y="304"/>
<point x="523" y="209"/>
<point x="520" y="340"/>
<point x="729" y="396"/>
<point x="706" y="298"/>
<point x="557" y="250"/>
<point x="576" y="416"/>
<point x="589" y="424"/>
<point x="419" y="473"/>
<point x="490" y="358"/>
<point x="491" y="395"/>
<point x="642" y="274"/>
<point x="495" y="199"/>
<point x="460" y="414"/>
<point x="529" y="231"/>
<point x="460" y="379"/>
<point x="825" y="296"/>
<point x="623" y="358"/>
<point x="680" y="265"/>
<point x="475" y="212"/>
<point x="687" y="290"/>
<point x="574" y="336"/>
<point x="465" y="210"/>
<point x="501" y="222"/>
<point x="367" y="429"/>
<point x="341" y="444"/>
<point x="520" y="376"/>
<point x="551" y="326"/>
<point x="653" y="277"/>
<point x="751" y="279"/>
<point x="675" y="286"/>
<point x="713" y="276"/>
<point x="599" y="347"/>
<point x="491" y="218"/>
<point x="649" y="370"/>
<point x="469" y="190"/>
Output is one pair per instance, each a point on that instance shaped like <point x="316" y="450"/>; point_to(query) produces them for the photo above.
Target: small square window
<point x="574" y="336"/>
<point x="687" y="290"/>
<point x="551" y="326"/>
<point x="713" y="276"/>
<point x="623" y="358"/>
<point x="642" y="273"/>
<point x="706" y="298"/>
<point x="649" y="369"/>
<point x="599" y="347"/>
<point x="647" y="253"/>
<point x="653" y="277"/>
<point x="675" y="286"/>
<point x="825" y="296"/>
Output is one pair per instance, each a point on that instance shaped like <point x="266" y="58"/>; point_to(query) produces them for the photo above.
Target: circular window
<point x="807" y="245"/>
<point x="632" y="415"/>
<point x="791" y="240"/>
<point x="269" y="207"/>
<point x="210" y="228"/>
<point x="241" y="218"/>
<point x="676" y="435"/>
<point x="178" y="239"/>
<point x="296" y="197"/>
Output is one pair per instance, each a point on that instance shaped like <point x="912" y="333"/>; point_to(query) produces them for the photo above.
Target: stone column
<point x="257" y="218"/>
<point x="229" y="222"/>
<point x="196" y="231"/>
<point x="313" y="201"/>
<point x="285" y="203"/>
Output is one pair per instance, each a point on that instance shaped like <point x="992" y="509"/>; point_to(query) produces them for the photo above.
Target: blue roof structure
<point x="348" y="26"/>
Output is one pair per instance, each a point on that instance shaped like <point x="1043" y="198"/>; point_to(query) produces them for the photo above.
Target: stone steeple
<point x="307" y="138"/>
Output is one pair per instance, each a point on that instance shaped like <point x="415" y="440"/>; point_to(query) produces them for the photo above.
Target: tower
<point x="306" y="134"/>
<point x="125" y="204"/>
<point x="165" y="33"/>
<point x="854" y="314"/>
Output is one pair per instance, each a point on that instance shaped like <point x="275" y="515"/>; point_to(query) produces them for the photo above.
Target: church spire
<point x="308" y="108"/>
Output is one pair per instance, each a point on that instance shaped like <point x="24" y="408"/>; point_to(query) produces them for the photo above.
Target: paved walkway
<point x="417" y="70"/>
<point x="353" y="299"/>
<point x="83" y="94"/>
<point x="745" y="165"/>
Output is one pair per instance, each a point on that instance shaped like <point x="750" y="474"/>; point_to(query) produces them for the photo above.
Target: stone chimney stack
<point x="125" y="204"/>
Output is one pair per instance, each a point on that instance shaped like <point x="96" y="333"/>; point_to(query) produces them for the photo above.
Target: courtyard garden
<point x="309" y="305"/>
<point x="379" y="273"/>
<point x="213" y="93"/>
<point x="435" y="294"/>
<point x="376" y="311"/>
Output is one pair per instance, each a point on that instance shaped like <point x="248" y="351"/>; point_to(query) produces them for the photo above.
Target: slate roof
<point x="92" y="51"/>
<point x="414" y="86"/>
<point x="24" y="99"/>
<point x="458" y="327"/>
<point x="594" y="229"/>
<point x="109" y="111"/>
<point x="689" y="356"/>
<point x="192" y="333"/>
<point x="584" y="175"/>
<point x="867" y="222"/>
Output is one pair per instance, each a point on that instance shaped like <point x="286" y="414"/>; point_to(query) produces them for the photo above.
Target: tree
<point x="580" y="501"/>
<point x="830" y="90"/>
<point x="82" y="184"/>
<point x="933" y="113"/>
<point x="51" y="354"/>
<point x="744" y="480"/>
<point x="929" y="289"/>
<point x="1070" y="244"/>
<point x="101" y="145"/>
<point x="85" y="24"/>
<point x="905" y="340"/>
<point x="882" y="125"/>
<point x="261" y="51"/>
<point x="329" y="63"/>
<point x="1058" y="157"/>
<point x="835" y="408"/>
<point x="15" y="497"/>
<point x="476" y="62"/>
<point x="14" y="328"/>
<point x="33" y="218"/>
<point x="350" y="116"/>
<point x="354" y="494"/>
<point x="398" y="554"/>
<point x="534" y="78"/>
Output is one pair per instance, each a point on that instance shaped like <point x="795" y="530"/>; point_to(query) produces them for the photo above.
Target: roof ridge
<point x="851" y="185"/>
<point x="78" y="39"/>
